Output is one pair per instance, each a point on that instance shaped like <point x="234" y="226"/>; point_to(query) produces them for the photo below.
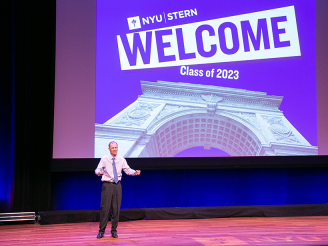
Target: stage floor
<point x="220" y="231"/>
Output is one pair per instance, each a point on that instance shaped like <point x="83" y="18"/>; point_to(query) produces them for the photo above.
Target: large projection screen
<point x="187" y="79"/>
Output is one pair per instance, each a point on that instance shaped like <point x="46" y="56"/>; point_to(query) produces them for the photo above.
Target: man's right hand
<point x="100" y="173"/>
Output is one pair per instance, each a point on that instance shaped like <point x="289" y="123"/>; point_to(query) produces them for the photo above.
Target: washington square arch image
<point x="170" y="117"/>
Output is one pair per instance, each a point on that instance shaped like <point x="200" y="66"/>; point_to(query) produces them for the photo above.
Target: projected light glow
<point x="229" y="75"/>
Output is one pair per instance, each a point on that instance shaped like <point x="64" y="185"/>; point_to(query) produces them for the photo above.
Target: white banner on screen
<point x="260" y="35"/>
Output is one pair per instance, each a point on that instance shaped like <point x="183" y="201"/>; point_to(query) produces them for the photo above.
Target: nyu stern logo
<point x="134" y="23"/>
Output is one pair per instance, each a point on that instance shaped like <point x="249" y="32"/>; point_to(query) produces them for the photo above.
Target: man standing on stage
<point x="110" y="168"/>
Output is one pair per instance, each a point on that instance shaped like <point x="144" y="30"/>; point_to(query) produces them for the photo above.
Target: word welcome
<point x="260" y="35"/>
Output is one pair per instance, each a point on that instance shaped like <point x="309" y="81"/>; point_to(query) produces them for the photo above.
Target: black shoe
<point x="100" y="235"/>
<point x="114" y="235"/>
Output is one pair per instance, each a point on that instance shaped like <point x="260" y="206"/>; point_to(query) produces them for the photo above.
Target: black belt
<point x="111" y="182"/>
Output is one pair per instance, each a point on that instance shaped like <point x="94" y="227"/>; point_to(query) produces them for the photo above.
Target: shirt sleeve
<point x="127" y="169"/>
<point x="100" y="166"/>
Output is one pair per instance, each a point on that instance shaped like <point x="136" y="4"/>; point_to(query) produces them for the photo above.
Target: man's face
<point x="113" y="149"/>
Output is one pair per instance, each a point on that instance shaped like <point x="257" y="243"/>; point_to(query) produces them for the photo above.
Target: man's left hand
<point x="137" y="172"/>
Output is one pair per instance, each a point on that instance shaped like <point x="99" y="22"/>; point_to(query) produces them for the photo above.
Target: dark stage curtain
<point x="27" y="80"/>
<point x="6" y="104"/>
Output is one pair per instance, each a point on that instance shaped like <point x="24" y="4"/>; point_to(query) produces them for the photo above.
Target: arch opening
<point x="209" y="131"/>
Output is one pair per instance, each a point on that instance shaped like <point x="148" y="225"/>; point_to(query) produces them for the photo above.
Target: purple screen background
<point x="293" y="78"/>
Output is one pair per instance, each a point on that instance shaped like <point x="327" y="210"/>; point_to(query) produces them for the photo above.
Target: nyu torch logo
<point x="134" y="23"/>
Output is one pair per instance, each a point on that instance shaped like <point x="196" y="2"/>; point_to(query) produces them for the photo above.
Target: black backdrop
<point x="27" y="87"/>
<point x="27" y="71"/>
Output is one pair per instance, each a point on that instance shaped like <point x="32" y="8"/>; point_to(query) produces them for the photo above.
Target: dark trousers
<point x="111" y="195"/>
